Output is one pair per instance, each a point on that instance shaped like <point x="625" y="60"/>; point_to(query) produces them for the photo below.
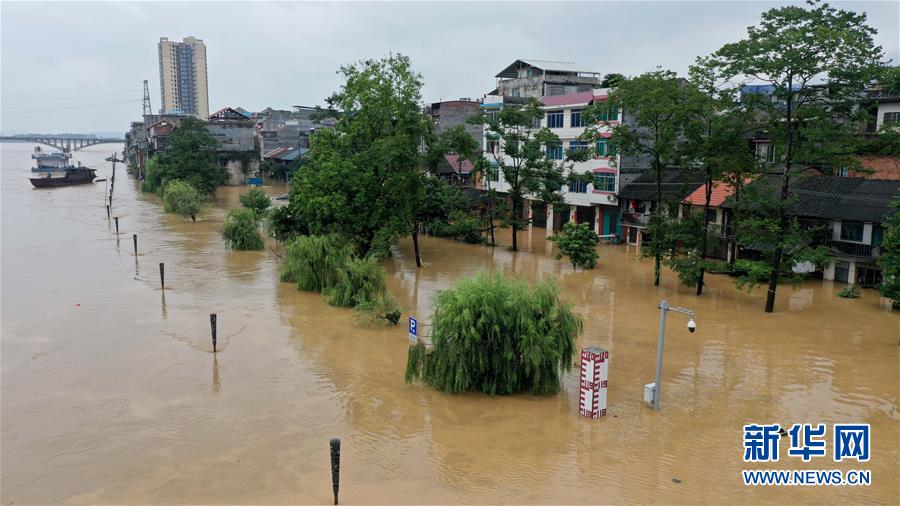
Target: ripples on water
<point x="110" y="394"/>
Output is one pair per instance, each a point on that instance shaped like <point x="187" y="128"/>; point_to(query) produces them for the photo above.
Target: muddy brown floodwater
<point x="110" y="392"/>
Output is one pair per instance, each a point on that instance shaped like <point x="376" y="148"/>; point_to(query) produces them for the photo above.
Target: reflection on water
<point x="108" y="397"/>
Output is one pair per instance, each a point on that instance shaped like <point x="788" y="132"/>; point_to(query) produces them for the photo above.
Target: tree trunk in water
<point x="782" y="219"/>
<point x="735" y="220"/>
<point x="515" y="227"/>
<point x="657" y="246"/>
<point x="193" y="217"/>
<point x="491" y="216"/>
<point x="703" y="239"/>
<point x="415" y="238"/>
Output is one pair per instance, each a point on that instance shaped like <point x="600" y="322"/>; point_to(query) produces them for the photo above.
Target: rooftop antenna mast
<point x="147" y="109"/>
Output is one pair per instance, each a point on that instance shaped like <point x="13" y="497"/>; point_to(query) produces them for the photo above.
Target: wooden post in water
<point x="212" y="326"/>
<point x="162" y="275"/>
<point x="117" y="226"/>
<point x="107" y="211"/>
<point x="335" y="467"/>
<point x="134" y="236"/>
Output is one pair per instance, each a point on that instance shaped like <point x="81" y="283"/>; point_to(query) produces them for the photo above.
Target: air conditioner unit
<point x="612" y="199"/>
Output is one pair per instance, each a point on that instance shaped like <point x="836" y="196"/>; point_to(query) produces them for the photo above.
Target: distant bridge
<point x="64" y="142"/>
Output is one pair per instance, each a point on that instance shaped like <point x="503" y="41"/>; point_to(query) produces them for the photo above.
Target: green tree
<point x="890" y="256"/>
<point x="241" y="231"/>
<point x="657" y="106"/>
<point x="358" y="178"/>
<point x="717" y="128"/>
<point x="793" y="49"/>
<point x="257" y="201"/>
<point x="578" y="241"/>
<point x="611" y="80"/>
<point x="522" y="159"/>
<point x="498" y="336"/>
<point x="182" y="198"/>
<point x="190" y="157"/>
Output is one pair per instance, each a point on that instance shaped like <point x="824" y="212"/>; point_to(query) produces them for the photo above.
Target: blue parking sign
<point x="413" y="330"/>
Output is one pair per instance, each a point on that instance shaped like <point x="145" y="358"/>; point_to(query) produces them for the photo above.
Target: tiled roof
<point x="676" y="183"/>
<point x="720" y="192"/>
<point x="836" y="198"/>
<point x="466" y="166"/>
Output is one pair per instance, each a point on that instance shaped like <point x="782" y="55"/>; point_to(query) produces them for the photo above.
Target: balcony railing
<point x="853" y="249"/>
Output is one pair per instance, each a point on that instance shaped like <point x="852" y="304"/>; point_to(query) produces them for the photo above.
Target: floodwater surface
<point x="111" y="392"/>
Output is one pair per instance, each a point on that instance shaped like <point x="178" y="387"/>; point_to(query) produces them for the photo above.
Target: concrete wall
<point x="237" y="175"/>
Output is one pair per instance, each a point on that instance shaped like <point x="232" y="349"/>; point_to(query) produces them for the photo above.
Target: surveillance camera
<point x="692" y="325"/>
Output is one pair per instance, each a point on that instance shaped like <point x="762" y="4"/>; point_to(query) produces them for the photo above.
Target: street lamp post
<point x="664" y="308"/>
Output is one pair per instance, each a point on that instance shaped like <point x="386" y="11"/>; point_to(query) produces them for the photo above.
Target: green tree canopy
<point x="890" y="256"/>
<point x="182" y="198"/>
<point x="358" y="178"/>
<point x="498" y="336"/>
<point x="241" y="231"/>
<point x="795" y="50"/>
<point x="657" y="105"/>
<point x="256" y="200"/>
<point x="190" y="157"/>
<point x="578" y="241"/>
<point x="522" y="158"/>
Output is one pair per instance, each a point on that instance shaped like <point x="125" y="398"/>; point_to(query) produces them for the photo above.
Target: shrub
<point x="257" y="201"/>
<point x="578" y="241"/>
<point x="359" y="281"/>
<point x="381" y="311"/>
<point x="182" y="198"/>
<point x="465" y="227"/>
<point x="851" y="292"/>
<point x="313" y="261"/>
<point x="498" y="336"/>
<point x="240" y="230"/>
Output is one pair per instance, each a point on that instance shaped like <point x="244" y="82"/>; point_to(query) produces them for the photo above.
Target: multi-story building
<point x="541" y="78"/>
<point x="451" y="113"/>
<point x="182" y="77"/>
<point x="596" y="202"/>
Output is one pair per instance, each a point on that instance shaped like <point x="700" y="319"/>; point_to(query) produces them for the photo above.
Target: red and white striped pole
<point x="594" y="375"/>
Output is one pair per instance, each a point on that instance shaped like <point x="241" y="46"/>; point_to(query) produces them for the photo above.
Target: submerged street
<point x="111" y="392"/>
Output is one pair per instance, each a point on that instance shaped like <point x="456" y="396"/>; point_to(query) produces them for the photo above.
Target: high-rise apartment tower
<point x="182" y="77"/>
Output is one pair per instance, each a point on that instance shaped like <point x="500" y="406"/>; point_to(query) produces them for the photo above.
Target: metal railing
<point x="853" y="249"/>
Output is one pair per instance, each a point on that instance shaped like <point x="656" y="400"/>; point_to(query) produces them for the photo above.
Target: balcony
<point x="641" y="219"/>
<point x="853" y="249"/>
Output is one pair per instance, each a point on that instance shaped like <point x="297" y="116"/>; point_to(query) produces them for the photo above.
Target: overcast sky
<point x="79" y="67"/>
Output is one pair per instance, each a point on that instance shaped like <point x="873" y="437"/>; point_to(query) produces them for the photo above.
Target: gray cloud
<point x="78" y="67"/>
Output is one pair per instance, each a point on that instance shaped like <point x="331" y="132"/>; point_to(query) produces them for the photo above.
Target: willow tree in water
<point x="497" y="336"/>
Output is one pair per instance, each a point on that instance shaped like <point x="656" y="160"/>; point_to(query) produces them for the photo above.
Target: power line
<point x="86" y="106"/>
<point x="65" y="99"/>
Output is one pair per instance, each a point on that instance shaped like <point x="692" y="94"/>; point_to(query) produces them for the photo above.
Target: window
<point x="891" y="117"/>
<point x="609" y="113"/>
<point x="493" y="171"/>
<point x="577" y="187"/>
<point x="555" y="119"/>
<point x="765" y="152"/>
<point x="555" y="152"/>
<point x="605" y="182"/>
<point x="575" y="118"/>
<point x="493" y="115"/>
<point x="710" y="215"/>
<point x="851" y="231"/>
<point x="843" y="172"/>
<point x="606" y="148"/>
<point x="578" y="145"/>
<point x="493" y="146"/>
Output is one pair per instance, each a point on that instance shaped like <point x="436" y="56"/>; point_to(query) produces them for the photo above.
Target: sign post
<point x="413" y="330"/>
<point x="594" y="374"/>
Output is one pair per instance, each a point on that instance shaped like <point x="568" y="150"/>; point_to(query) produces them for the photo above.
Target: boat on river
<point x="56" y="169"/>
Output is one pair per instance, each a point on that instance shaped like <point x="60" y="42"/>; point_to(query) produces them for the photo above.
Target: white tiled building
<point x="595" y="203"/>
